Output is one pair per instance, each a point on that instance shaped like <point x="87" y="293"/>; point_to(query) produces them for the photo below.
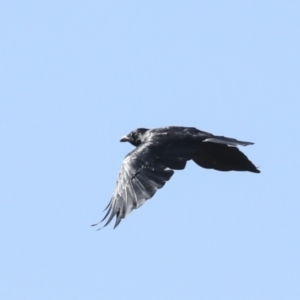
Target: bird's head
<point x="134" y="137"/>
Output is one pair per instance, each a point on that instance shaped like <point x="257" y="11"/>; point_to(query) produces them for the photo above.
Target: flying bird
<point x="158" y="152"/>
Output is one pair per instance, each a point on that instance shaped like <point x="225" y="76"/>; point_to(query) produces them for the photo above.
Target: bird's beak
<point x="124" y="138"/>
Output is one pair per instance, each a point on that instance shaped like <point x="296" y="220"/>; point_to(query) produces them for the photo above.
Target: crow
<point x="158" y="153"/>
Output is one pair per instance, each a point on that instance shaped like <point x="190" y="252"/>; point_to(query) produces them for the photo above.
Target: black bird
<point x="158" y="153"/>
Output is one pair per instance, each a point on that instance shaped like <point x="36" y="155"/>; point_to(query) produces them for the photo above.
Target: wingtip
<point x="249" y="144"/>
<point x="93" y="225"/>
<point x="118" y="221"/>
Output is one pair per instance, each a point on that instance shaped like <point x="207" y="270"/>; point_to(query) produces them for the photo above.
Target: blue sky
<point x="76" y="76"/>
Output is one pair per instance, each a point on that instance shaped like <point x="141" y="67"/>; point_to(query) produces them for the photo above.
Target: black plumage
<point x="158" y="153"/>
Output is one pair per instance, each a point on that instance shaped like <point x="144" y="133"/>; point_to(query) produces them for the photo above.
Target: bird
<point x="159" y="153"/>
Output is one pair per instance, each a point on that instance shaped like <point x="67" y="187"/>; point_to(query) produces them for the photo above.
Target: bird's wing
<point x="226" y="141"/>
<point x="141" y="175"/>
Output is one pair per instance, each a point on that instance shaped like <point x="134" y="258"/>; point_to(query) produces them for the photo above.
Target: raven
<point x="158" y="153"/>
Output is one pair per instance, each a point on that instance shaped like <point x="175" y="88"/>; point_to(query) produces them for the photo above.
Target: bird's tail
<point x="217" y="153"/>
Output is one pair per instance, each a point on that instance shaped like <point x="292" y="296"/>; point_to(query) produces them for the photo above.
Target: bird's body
<point x="159" y="152"/>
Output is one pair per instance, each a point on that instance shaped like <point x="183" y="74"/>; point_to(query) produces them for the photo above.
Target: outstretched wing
<point x="141" y="175"/>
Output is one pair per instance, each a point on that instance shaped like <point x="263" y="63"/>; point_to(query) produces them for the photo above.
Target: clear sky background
<point x="76" y="76"/>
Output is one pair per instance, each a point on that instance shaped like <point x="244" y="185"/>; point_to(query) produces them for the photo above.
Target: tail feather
<point x="223" y="158"/>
